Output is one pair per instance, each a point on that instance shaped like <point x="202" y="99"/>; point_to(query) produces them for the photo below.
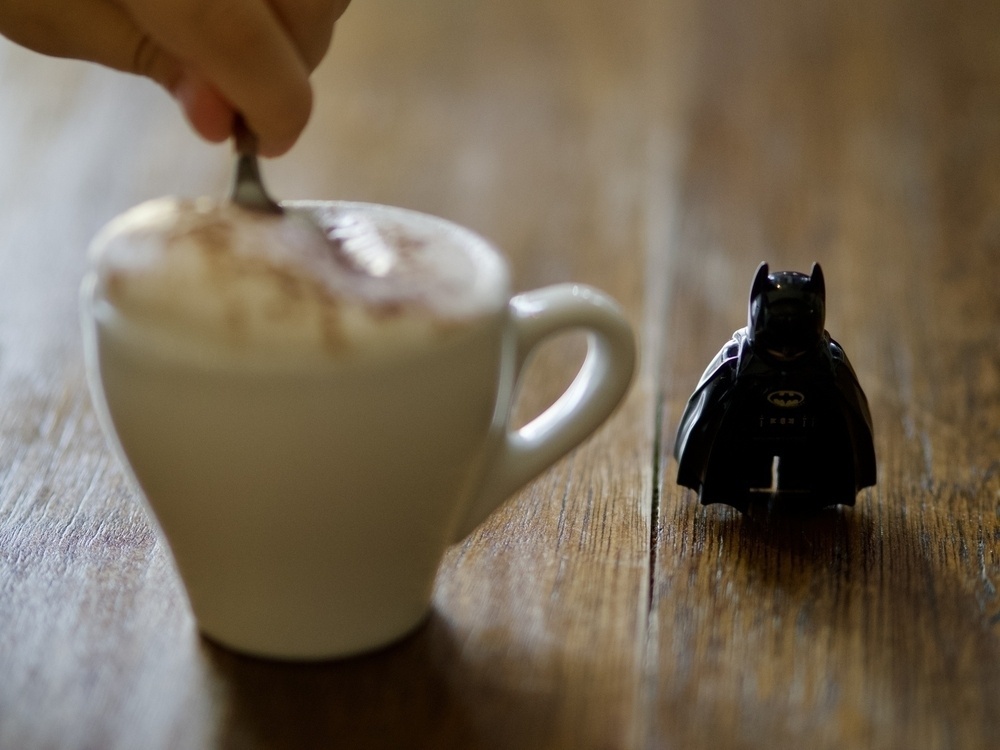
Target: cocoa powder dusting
<point x="388" y="310"/>
<point x="114" y="285"/>
<point x="213" y="235"/>
<point x="236" y="321"/>
<point x="334" y="340"/>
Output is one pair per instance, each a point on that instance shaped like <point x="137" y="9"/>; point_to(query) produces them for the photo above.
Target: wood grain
<point x="505" y="117"/>
<point x="865" y="138"/>
<point x="658" y="150"/>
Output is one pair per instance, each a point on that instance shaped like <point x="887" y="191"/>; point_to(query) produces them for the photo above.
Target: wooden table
<point x="656" y="148"/>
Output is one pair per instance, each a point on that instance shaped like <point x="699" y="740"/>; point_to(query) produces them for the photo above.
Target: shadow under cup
<point x="308" y="505"/>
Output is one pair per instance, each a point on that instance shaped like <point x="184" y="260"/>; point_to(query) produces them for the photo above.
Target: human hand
<point x="216" y="57"/>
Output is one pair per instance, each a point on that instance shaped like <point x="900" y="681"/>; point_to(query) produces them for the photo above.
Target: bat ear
<point x="759" y="281"/>
<point x="756" y="289"/>
<point x="817" y="282"/>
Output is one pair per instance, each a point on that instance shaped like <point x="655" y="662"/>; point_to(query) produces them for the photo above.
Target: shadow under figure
<point x="779" y="418"/>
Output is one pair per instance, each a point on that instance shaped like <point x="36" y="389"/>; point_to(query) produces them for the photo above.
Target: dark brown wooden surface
<point x="658" y="150"/>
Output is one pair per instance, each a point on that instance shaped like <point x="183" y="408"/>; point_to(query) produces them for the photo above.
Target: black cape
<point x="745" y="412"/>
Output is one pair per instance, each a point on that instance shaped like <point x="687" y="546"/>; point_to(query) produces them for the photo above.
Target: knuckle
<point x="144" y="57"/>
<point x="150" y="61"/>
<point x="225" y="25"/>
<point x="309" y="24"/>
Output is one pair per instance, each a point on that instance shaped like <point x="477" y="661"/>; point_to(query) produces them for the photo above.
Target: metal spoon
<point x="248" y="189"/>
<point x="359" y="245"/>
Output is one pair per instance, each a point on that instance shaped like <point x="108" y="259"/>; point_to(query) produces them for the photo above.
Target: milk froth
<point x="216" y="280"/>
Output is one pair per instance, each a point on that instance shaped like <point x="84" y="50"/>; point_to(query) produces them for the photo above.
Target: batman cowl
<point x="779" y="417"/>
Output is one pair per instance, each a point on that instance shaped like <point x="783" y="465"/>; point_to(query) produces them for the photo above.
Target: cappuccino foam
<point x="325" y="279"/>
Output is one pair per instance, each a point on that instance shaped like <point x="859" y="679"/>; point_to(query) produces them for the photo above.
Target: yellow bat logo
<point x="786" y="399"/>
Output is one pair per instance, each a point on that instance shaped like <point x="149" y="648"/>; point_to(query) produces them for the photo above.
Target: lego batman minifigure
<point x="779" y="418"/>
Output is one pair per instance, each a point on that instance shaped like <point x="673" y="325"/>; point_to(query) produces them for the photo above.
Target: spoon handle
<point x="248" y="188"/>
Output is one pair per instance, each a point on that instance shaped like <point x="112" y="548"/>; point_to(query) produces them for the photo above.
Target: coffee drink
<point x="323" y="281"/>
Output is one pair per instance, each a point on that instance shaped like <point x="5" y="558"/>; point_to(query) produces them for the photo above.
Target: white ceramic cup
<point x="308" y="505"/>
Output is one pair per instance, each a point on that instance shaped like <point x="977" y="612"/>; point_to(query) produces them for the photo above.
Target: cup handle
<point x="598" y="388"/>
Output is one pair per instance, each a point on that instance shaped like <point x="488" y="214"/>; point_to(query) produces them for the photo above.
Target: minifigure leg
<point x="828" y="480"/>
<point x="740" y="480"/>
